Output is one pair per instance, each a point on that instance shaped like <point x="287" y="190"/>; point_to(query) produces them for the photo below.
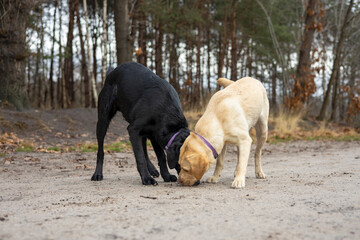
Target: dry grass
<point x="192" y="116"/>
<point x="285" y="125"/>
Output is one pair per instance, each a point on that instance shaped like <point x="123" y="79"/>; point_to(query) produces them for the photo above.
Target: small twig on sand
<point x="148" y="197"/>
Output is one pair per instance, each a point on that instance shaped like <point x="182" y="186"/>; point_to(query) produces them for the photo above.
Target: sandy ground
<point x="312" y="192"/>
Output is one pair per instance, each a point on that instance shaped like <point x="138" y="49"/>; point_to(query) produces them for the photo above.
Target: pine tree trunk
<point x="273" y="89"/>
<point x="104" y="55"/>
<point x="336" y="64"/>
<point x="208" y="46"/>
<point x="173" y="63"/>
<point x="59" y="92"/>
<point x="68" y="64"/>
<point x="158" y="49"/>
<point x="13" y="51"/>
<point x="29" y="77"/>
<point x="351" y="91"/>
<point x="141" y="58"/>
<point x="222" y="46"/>
<point x="304" y="81"/>
<point x="198" y="85"/>
<point x="234" y="56"/>
<point x="335" y="104"/>
<point x="36" y="78"/>
<point x="39" y="96"/>
<point x="51" y="77"/>
<point x="84" y="67"/>
<point x="123" y="47"/>
<point x="93" y="91"/>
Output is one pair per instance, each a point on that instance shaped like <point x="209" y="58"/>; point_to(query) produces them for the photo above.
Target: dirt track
<point x="312" y="192"/>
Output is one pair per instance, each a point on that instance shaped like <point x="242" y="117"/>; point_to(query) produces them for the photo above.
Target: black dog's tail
<point x="107" y="100"/>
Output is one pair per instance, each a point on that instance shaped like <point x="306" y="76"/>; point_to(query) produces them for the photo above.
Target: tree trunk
<point x="158" y="49"/>
<point x="234" y="56"/>
<point x="222" y="46"/>
<point x="93" y="91"/>
<point x="173" y="63"/>
<point x="35" y="92"/>
<point x="249" y="60"/>
<point x="273" y="89"/>
<point x="336" y="64"/>
<point x="198" y="84"/>
<point x="350" y="106"/>
<point x="68" y="64"/>
<point x="335" y="104"/>
<point x="304" y="84"/>
<point x="51" y="77"/>
<point x="60" y="99"/>
<point x="189" y="65"/>
<point x="84" y="67"/>
<point x="95" y="35"/>
<point x="208" y="49"/>
<point x="29" y="76"/>
<point x="141" y="56"/>
<point x="40" y="79"/>
<point x="13" y="51"/>
<point x="104" y="56"/>
<point x="123" y="48"/>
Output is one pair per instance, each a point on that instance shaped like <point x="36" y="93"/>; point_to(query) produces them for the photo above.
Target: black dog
<point x="152" y="108"/>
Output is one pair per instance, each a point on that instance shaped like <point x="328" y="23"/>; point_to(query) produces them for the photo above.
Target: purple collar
<point x="171" y="140"/>
<point x="208" y="144"/>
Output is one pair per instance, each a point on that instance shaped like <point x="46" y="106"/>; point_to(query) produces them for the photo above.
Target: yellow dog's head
<point x="195" y="159"/>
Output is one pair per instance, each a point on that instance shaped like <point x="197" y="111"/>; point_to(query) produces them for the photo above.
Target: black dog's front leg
<point x="162" y="163"/>
<point x="136" y="142"/>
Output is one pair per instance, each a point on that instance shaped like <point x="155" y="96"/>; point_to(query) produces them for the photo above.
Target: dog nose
<point x="197" y="183"/>
<point x="179" y="181"/>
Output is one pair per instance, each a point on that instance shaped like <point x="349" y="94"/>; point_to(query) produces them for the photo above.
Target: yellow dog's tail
<point x="224" y="82"/>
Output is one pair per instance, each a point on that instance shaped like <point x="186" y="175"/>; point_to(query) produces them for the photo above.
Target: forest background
<point x="55" y="53"/>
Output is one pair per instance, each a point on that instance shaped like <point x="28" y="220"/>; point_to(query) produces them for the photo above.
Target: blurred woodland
<point x="55" y="53"/>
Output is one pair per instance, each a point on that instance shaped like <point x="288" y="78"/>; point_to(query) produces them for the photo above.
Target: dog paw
<point x="260" y="175"/>
<point x="97" y="177"/>
<point x="154" y="173"/>
<point x="170" y="178"/>
<point x="149" y="181"/>
<point x="212" y="179"/>
<point x="238" y="183"/>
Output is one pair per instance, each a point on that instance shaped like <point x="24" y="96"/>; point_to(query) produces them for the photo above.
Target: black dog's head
<point x="173" y="151"/>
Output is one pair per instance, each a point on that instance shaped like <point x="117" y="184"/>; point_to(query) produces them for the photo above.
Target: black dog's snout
<point x="178" y="168"/>
<point x="197" y="183"/>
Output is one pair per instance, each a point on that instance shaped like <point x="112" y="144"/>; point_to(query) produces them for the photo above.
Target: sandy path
<point x="312" y="192"/>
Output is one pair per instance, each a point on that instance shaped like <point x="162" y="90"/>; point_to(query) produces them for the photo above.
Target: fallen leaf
<point x="88" y="167"/>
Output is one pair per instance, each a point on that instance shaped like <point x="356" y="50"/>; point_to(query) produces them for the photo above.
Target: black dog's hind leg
<point x="162" y="163"/>
<point x="141" y="162"/>
<point x="152" y="170"/>
<point x="106" y="112"/>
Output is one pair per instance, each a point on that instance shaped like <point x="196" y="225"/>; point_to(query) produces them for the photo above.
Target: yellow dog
<point x="228" y="118"/>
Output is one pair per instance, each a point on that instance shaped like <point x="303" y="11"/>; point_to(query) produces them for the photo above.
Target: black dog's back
<point x="139" y="86"/>
<point x="152" y="108"/>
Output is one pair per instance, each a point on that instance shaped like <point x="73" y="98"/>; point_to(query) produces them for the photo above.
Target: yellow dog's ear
<point x="186" y="165"/>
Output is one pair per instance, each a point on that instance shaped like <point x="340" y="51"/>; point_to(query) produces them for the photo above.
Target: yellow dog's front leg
<point x="243" y="158"/>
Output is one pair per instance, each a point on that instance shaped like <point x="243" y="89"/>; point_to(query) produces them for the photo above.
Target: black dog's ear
<point x="173" y="151"/>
